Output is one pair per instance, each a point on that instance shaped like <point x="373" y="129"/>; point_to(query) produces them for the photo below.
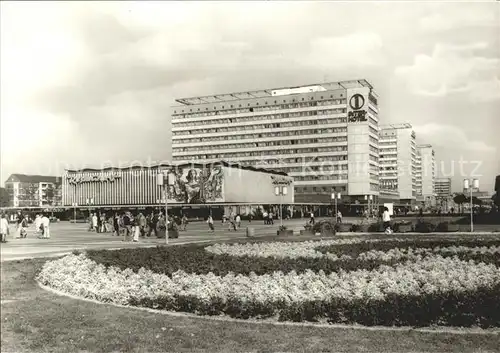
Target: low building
<point x="33" y="190"/>
<point x="218" y="185"/>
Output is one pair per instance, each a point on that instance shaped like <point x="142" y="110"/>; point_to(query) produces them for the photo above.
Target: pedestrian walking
<point x="127" y="224"/>
<point x="94" y="222"/>
<point x="184" y="222"/>
<point x="137" y="229"/>
<point x="143" y="222"/>
<point x="238" y="221"/>
<point x="232" y="223"/>
<point x="312" y="218"/>
<point x="45" y="227"/>
<point x="23" y="232"/>
<point x="4" y="228"/>
<point x="116" y="224"/>
<point x="38" y="225"/>
<point x="210" y="222"/>
<point x="386" y="218"/>
<point x="102" y="226"/>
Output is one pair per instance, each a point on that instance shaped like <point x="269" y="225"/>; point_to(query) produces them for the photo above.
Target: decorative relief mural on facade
<point x="197" y="185"/>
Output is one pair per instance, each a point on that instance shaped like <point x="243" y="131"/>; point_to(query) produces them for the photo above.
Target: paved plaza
<point x="66" y="237"/>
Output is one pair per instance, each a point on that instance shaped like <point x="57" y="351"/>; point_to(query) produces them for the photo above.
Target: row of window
<point x="262" y="144"/>
<point x="319" y="177"/>
<point x="261" y="126"/>
<point x="373" y="140"/>
<point x="318" y="189"/>
<point x="259" y="153"/>
<point x="308" y="169"/>
<point x="305" y="160"/>
<point x="382" y="143"/>
<point x="195" y="113"/>
<point x="266" y="135"/>
<point x="247" y="119"/>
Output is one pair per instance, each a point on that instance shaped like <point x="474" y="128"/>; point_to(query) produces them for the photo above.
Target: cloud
<point x="358" y="49"/>
<point x="450" y="137"/>
<point x="102" y="75"/>
<point x="459" y="16"/>
<point x="452" y="69"/>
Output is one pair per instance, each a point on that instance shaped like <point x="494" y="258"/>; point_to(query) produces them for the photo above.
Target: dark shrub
<point x="324" y="227"/>
<point x="479" y="307"/>
<point x="424" y="227"/>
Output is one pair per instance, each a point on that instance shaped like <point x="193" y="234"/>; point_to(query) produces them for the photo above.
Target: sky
<point x="92" y="84"/>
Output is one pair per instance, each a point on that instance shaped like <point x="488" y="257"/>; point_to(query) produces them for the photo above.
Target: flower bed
<point x="396" y="282"/>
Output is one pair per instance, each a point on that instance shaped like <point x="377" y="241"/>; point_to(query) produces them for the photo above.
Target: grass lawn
<point x="38" y="321"/>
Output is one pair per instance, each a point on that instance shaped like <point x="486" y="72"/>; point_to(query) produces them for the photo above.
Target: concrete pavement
<point x="66" y="237"/>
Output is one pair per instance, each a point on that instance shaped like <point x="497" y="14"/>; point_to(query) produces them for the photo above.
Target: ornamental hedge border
<point x="195" y="259"/>
<point x="479" y="308"/>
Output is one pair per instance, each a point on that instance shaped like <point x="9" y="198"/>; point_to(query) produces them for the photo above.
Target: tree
<point x="496" y="200"/>
<point x="460" y="199"/>
<point x="4" y="197"/>
<point x="49" y="194"/>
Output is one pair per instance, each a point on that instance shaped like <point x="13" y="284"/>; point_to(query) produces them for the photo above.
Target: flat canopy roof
<point x="192" y="165"/>
<point x="395" y="126"/>
<point x="268" y="92"/>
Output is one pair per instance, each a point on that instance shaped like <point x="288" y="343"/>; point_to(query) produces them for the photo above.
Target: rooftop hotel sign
<point x="103" y="178"/>
<point x="355" y="113"/>
<point x="277" y="180"/>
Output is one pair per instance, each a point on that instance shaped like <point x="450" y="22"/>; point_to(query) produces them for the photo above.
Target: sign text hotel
<point x="276" y="180"/>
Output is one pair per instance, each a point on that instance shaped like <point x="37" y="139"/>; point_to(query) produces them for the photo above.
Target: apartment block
<point x="426" y="175"/>
<point x="398" y="161"/>
<point x="33" y="190"/>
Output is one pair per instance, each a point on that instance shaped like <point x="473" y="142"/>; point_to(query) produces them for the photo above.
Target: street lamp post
<point x="281" y="191"/>
<point x="165" y="179"/>
<point x="74" y="211"/>
<point x="336" y="196"/>
<point x="89" y="202"/>
<point x="471" y="185"/>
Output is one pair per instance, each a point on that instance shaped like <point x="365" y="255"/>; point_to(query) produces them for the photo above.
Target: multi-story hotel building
<point x="323" y="135"/>
<point x="426" y="175"/>
<point x="398" y="161"/>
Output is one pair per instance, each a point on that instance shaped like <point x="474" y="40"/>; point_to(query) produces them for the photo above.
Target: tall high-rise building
<point x="324" y="135"/>
<point x="398" y="161"/>
<point x="426" y="175"/>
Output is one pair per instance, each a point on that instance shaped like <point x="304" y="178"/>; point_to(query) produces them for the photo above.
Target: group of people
<point x="128" y="225"/>
<point x="233" y="221"/>
<point x="41" y="226"/>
